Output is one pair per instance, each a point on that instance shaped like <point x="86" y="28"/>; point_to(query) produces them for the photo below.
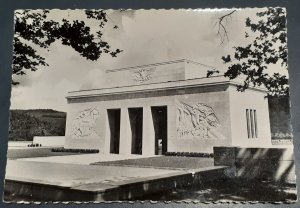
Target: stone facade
<point x="168" y="106"/>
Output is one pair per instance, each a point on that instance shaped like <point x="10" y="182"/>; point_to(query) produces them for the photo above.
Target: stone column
<point x="125" y="132"/>
<point x="107" y="136"/>
<point x="172" y="145"/>
<point x="148" y="132"/>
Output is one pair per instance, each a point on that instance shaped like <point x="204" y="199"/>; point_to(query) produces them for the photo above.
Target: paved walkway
<point x="72" y="175"/>
<point x="84" y="159"/>
<point x="45" y="181"/>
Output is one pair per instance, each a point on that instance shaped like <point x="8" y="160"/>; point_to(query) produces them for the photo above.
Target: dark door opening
<point x="136" y="123"/>
<point x="114" y="117"/>
<point x="160" y="122"/>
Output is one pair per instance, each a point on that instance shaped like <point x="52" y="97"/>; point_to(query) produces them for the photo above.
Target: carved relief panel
<point x="84" y="123"/>
<point x="199" y="120"/>
<point x="143" y="74"/>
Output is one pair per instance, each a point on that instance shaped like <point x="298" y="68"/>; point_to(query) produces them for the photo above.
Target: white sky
<point x="146" y="36"/>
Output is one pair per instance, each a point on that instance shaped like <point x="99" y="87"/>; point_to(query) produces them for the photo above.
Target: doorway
<point x="160" y="122"/>
<point x="136" y="124"/>
<point x="114" y="117"/>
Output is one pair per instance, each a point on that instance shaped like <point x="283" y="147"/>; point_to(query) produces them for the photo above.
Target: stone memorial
<point x="166" y="107"/>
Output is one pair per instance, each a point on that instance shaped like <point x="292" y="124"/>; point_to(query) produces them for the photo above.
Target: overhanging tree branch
<point x="222" y="32"/>
<point x="254" y="62"/>
<point x="33" y="29"/>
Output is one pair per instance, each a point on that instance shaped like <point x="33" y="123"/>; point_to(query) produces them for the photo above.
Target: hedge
<point x="75" y="150"/>
<point x="189" y="154"/>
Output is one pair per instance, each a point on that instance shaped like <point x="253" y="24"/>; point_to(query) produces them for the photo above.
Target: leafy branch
<point x="254" y="61"/>
<point x="34" y="29"/>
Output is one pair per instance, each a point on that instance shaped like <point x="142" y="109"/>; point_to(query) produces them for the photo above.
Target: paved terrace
<point x="48" y="181"/>
<point x="43" y="176"/>
<point x="83" y="159"/>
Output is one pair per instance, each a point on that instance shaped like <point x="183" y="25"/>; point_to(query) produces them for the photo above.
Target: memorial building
<point x="166" y="107"/>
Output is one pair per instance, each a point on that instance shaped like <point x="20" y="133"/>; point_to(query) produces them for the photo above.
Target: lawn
<point x="34" y="152"/>
<point x="168" y="162"/>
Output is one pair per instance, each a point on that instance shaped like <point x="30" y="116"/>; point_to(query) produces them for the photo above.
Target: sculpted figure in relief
<point x="84" y="123"/>
<point x="142" y="75"/>
<point x="197" y="120"/>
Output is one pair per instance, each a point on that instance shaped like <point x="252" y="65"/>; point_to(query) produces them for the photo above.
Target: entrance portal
<point x="136" y="123"/>
<point x="160" y="116"/>
<point x="114" y="116"/>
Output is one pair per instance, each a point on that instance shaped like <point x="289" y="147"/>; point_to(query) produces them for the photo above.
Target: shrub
<point x="190" y="154"/>
<point x="75" y="150"/>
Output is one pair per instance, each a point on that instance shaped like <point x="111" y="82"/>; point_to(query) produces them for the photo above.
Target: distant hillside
<point x="25" y="124"/>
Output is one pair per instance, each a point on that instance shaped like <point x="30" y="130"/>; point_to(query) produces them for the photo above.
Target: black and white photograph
<point x="150" y="105"/>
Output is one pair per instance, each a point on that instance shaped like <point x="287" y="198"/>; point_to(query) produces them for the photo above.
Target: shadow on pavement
<point x="230" y="190"/>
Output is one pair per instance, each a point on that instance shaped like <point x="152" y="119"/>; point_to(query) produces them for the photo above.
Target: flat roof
<point x="158" y="64"/>
<point x="179" y="84"/>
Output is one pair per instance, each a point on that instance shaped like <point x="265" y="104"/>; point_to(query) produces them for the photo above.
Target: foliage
<point x="34" y="29"/>
<point x="190" y="154"/>
<point x="84" y="151"/>
<point x="25" y="124"/>
<point x="280" y="121"/>
<point x="268" y="46"/>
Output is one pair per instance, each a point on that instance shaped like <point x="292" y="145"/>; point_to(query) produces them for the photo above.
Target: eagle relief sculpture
<point x="143" y="74"/>
<point x="84" y="124"/>
<point x="198" y="120"/>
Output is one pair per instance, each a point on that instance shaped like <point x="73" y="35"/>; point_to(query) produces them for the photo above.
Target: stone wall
<point x="251" y="100"/>
<point x="199" y="118"/>
<point x="152" y="73"/>
<point x="204" y="121"/>
<point x="155" y="73"/>
<point x="276" y="164"/>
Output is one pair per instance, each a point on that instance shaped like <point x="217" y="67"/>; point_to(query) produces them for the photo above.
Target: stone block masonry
<point x="275" y="164"/>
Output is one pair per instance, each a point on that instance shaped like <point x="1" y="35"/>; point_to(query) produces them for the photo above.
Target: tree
<point x="34" y="29"/>
<point x="268" y="45"/>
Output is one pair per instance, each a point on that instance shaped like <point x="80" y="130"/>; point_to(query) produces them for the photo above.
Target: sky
<point x="145" y="36"/>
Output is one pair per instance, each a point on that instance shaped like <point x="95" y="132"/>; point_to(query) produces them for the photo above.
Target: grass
<point x="169" y="162"/>
<point x="34" y="152"/>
